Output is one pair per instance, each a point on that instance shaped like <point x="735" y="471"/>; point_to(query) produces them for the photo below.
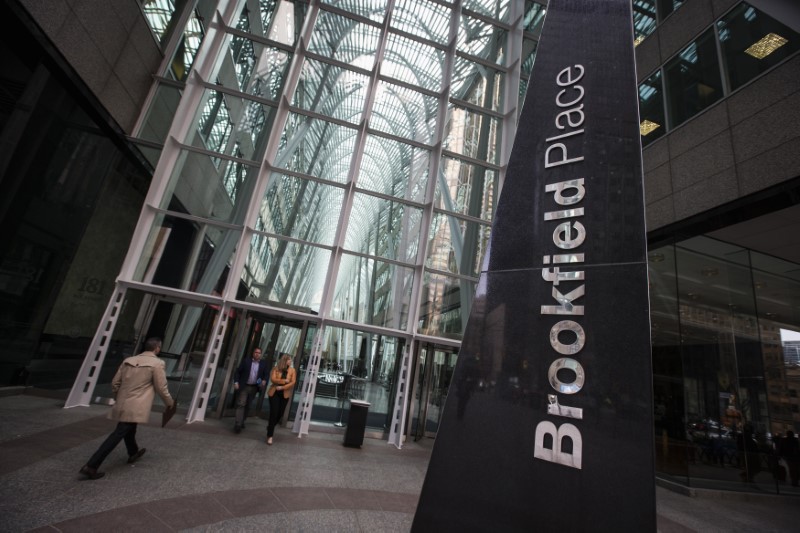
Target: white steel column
<point x="82" y="389"/>
<point x="401" y="400"/>
<point x="202" y="391"/>
<point x="302" y="418"/>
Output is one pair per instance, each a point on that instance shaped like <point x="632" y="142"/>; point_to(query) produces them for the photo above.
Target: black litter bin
<point x="356" y="423"/>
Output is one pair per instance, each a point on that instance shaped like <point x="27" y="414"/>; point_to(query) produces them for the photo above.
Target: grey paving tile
<point x="188" y="511"/>
<point x="129" y="519"/>
<point x="303" y="498"/>
<point x="344" y="498"/>
<point x="249" y="502"/>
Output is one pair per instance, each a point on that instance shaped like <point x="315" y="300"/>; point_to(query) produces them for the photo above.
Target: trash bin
<point x="356" y="423"/>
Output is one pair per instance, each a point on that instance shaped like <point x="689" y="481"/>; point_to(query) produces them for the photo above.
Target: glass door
<point x="435" y="365"/>
<point x="275" y="336"/>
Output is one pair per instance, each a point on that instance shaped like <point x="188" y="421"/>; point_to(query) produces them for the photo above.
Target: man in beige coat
<point x="134" y="386"/>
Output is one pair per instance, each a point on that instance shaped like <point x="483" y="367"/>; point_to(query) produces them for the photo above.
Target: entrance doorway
<point x="434" y="370"/>
<point x="275" y="336"/>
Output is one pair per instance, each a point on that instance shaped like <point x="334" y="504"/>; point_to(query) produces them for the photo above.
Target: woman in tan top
<point x="282" y="380"/>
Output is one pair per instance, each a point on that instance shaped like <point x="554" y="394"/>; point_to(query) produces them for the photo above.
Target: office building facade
<point x="318" y="178"/>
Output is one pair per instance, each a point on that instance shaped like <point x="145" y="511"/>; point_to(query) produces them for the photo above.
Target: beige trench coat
<point x="134" y="386"/>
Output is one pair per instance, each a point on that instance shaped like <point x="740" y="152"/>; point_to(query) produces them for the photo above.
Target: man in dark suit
<point x="250" y="377"/>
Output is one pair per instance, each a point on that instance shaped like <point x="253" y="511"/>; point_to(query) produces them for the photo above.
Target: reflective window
<point x="183" y="254"/>
<point x="369" y="291"/>
<point x="644" y="19"/>
<point x="466" y="189"/>
<point x="159" y="115"/>
<point x="652" y="124"/>
<point x="233" y="126"/>
<point x="752" y="42"/>
<point x="184" y="56"/>
<point x="692" y="79"/>
<point x="215" y="122"/>
<point x="444" y="306"/>
<point x="472" y="134"/>
<point x="528" y="55"/>
<point x="666" y="7"/>
<point x="534" y="17"/>
<point x="457" y="245"/>
<point x="724" y="337"/>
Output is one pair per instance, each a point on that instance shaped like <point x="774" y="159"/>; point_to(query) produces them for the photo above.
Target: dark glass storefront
<point x="725" y="325"/>
<point x="69" y="199"/>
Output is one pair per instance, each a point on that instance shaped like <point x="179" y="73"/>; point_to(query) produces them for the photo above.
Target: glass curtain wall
<point x="725" y="328"/>
<point x="334" y="161"/>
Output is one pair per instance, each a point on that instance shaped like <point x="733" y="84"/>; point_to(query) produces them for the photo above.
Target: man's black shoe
<point x="237" y="428"/>
<point x="138" y="455"/>
<point x="91" y="473"/>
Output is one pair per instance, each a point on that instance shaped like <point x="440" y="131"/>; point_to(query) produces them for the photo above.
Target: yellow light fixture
<point x="647" y="127"/>
<point x="766" y="45"/>
<point x="637" y="41"/>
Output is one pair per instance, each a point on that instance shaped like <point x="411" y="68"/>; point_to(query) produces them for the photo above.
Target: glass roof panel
<point x="278" y="20"/>
<point x="477" y="38"/>
<point x="423" y="19"/>
<point x="496" y="9"/>
<point x="316" y="147"/>
<point x="394" y="168"/>
<point x="473" y="134"/>
<point x="405" y="113"/>
<point x="478" y="84"/>
<point x="345" y="39"/>
<point x="373" y="292"/>
<point x="457" y="245"/>
<point x="331" y="90"/>
<point x="413" y="62"/>
<point x="466" y="188"/>
<point x="371" y="9"/>
<point x="260" y="69"/>
<point x="300" y="208"/>
<point x="383" y="228"/>
<point x="285" y="273"/>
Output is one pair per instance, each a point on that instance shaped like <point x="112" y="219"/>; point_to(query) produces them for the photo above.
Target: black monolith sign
<point x="548" y="421"/>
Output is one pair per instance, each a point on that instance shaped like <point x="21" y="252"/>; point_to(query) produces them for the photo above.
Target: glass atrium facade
<point x="325" y="179"/>
<point x="318" y="178"/>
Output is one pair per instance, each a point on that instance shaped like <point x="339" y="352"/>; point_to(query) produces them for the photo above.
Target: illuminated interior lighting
<point x="766" y="45"/>
<point x="647" y="127"/>
<point x="638" y="41"/>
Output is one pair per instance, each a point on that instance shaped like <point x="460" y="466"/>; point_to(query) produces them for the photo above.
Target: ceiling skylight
<point x="766" y="45"/>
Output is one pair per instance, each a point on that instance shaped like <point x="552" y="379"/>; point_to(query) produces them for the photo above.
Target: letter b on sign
<point x="555" y="454"/>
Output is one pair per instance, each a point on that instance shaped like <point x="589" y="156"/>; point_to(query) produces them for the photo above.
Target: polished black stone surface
<point x="483" y="474"/>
